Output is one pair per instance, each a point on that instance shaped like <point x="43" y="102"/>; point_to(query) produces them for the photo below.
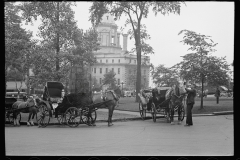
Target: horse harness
<point x="104" y="98"/>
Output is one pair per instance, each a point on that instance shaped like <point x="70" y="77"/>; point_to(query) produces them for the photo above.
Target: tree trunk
<point x="138" y="85"/>
<point x="201" y="107"/>
<point x="57" y="43"/>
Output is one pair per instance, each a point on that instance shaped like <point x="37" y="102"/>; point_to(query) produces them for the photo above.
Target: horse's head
<point x="38" y="100"/>
<point x="31" y="101"/>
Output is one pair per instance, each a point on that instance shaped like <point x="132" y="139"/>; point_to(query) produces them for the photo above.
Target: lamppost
<point x="122" y="88"/>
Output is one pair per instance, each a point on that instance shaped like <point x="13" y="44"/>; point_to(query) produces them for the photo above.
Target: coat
<point x="191" y="95"/>
<point x="217" y="93"/>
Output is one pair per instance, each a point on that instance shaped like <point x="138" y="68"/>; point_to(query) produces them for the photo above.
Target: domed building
<point x="112" y="56"/>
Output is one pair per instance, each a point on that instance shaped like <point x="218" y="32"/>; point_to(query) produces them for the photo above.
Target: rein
<point x="68" y="100"/>
<point x="178" y="96"/>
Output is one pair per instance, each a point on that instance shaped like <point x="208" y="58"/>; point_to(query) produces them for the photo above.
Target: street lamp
<point x="122" y="87"/>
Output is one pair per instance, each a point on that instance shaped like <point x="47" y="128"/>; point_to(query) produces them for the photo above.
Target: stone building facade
<point x="112" y="56"/>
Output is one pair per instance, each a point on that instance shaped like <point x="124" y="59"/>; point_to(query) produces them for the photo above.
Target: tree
<point x="18" y="45"/>
<point x="109" y="78"/>
<point x="63" y="44"/>
<point x="200" y="66"/>
<point x="79" y="55"/>
<point x="135" y="11"/>
<point x="163" y="76"/>
<point x="57" y="25"/>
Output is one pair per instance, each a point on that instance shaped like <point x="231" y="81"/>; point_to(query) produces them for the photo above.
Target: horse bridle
<point x="28" y="102"/>
<point x="114" y="96"/>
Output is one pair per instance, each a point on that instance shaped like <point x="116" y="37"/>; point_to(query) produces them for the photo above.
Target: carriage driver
<point x="190" y="102"/>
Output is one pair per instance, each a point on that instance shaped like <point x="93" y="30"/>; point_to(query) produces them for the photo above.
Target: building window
<point x="100" y="61"/>
<point x="135" y="61"/>
<point x="144" y="71"/>
<point x="112" y="60"/>
<point x="129" y="60"/>
<point x="106" y="70"/>
<point x="118" y="70"/>
<point x="106" y="61"/>
<point x="100" y="70"/>
<point x="113" y="69"/>
<point x="94" y="70"/>
<point x="118" y="81"/>
<point x="112" y="39"/>
<point x="119" y="61"/>
<point x="100" y="80"/>
<point x="130" y="71"/>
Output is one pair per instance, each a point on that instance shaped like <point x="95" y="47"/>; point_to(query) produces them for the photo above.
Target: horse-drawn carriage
<point x="9" y="101"/>
<point x="155" y="102"/>
<point x="71" y="109"/>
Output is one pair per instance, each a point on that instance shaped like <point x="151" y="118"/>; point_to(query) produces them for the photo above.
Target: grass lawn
<point x="209" y="105"/>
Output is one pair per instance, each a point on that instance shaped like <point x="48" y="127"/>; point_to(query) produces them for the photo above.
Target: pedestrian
<point x="217" y="94"/>
<point x="191" y="94"/>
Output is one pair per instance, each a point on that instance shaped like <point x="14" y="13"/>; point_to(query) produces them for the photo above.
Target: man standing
<point x="190" y="102"/>
<point x="217" y="94"/>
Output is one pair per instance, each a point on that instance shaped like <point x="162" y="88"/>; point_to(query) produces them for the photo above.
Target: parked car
<point x="127" y="94"/>
<point x="15" y="94"/>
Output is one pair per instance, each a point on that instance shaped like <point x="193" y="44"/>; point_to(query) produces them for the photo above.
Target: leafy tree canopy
<point x="163" y="76"/>
<point x="109" y="78"/>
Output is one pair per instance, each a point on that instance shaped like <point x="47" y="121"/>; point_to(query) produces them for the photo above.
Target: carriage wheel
<point x="86" y="119"/>
<point x="167" y="114"/>
<point x="72" y="117"/>
<point x="61" y="118"/>
<point x="43" y="116"/>
<point x="182" y="114"/>
<point x="142" y="111"/>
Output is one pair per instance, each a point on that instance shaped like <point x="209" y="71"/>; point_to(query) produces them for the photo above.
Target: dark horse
<point x="176" y="100"/>
<point x="112" y="96"/>
<point x="25" y="107"/>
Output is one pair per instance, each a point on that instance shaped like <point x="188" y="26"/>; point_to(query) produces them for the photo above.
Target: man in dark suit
<point x="190" y="102"/>
<point x="217" y="94"/>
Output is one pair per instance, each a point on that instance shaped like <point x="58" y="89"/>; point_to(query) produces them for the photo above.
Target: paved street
<point x="209" y="136"/>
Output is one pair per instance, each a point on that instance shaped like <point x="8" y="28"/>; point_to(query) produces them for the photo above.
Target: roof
<point x="108" y="18"/>
<point x="53" y="89"/>
<point x="12" y="85"/>
<point x="55" y="84"/>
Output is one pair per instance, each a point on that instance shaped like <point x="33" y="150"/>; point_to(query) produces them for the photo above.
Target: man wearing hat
<point x="190" y="102"/>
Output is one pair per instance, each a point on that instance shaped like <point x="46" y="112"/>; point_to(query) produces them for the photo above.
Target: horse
<point x="30" y="106"/>
<point x="107" y="95"/>
<point x="175" y="100"/>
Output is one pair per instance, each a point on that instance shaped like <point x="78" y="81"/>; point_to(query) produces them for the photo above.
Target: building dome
<point x="108" y="18"/>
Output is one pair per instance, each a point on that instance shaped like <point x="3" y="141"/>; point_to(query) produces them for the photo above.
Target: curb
<point x="223" y="113"/>
<point x="146" y="118"/>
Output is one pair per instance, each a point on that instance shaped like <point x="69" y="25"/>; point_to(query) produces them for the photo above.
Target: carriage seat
<point x="55" y="99"/>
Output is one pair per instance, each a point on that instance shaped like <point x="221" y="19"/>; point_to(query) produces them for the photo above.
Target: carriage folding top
<point x="53" y="91"/>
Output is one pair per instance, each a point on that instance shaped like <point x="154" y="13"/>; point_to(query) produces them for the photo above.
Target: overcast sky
<point x="215" y="19"/>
